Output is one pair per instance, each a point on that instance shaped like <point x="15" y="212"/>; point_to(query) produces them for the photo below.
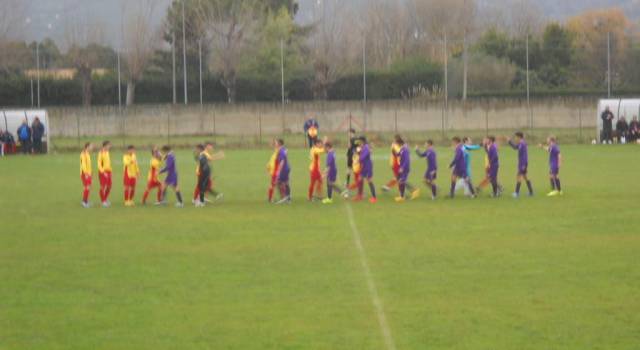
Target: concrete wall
<point x="334" y="116"/>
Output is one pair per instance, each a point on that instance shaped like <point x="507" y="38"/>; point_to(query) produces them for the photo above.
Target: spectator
<point x="634" y="129"/>
<point x="607" y="125"/>
<point x="2" y="141"/>
<point x="622" y="128"/>
<point x="24" y="136"/>
<point x="7" y="142"/>
<point x="311" y="129"/>
<point x="37" y="132"/>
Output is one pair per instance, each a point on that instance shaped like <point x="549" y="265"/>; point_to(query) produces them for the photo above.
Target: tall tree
<point x="228" y="26"/>
<point x="140" y="39"/>
<point x="84" y="40"/>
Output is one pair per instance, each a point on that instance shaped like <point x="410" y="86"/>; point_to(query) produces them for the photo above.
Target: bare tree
<point x="12" y="15"/>
<point x="335" y="42"/>
<point x="140" y="38"/>
<point x="228" y="26"/>
<point x="389" y="31"/>
<point x="84" y="40"/>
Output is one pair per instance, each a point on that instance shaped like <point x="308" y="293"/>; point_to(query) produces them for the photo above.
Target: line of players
<point x="360" y="167"/>
<point x="163" y="162"/>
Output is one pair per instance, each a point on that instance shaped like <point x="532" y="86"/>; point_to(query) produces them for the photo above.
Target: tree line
<point x="409" y="49"/>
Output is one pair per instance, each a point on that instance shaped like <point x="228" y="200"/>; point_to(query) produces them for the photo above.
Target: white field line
<point x="373" y="291"/>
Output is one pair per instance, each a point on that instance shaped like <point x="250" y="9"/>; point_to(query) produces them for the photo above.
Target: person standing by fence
<point x="311" y="129"/>
<point x="607" y="126"/>
<point x="37" y="132"/>
<point x="24" y="136"/>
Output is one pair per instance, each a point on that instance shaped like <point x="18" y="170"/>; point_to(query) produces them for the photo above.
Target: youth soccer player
<point x="283" y="173"/>
<point x="523" y="163"/>
<point x="85" y="173"/>
<point x="205" y="182"/>
<point x="366" y="165"/>
<point x="353" y="145"/>
<point x="494" y="165"/>
<point x="131" y="173"/>
<point x="394" y="163"/>
<point x="459" y="169"/>
<point x="272" y="169"/>
<point x="555" y="161"/>
<point x="171" y="179"/>
<point x="152" y="178"/>
<point x="467" y="147"/>
<point x="315" y="185"/>
<point x="404" y="168"/>
<point x="432" y="167"/>
<point x="104" y="173"/>
<point x="331" y="172"/>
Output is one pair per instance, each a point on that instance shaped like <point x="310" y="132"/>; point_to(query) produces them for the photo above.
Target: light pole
<point x="184" y="54"/>
<point x="200" y="64"/>
<point x="608" y="64"/>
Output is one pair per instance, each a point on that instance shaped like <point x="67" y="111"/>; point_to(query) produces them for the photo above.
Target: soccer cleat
<point x="415" y="194"/>
<point x="219" y="197"/>
<point x="399" y="199"/>
<point x="385" y="188"/>
<point x="357" y="198"/>
<point x="163" y="203"/>
<point x="207" y="200"/>
<point x="433" y="198"/>
<point x="373" y="200"/>
<point x="86" y="205"/>
<point x="285" y="200"/>
<point x="515" y="195"/>
<point x="199" y="204"/>
<point x="553" y="193"/>
<point x="179" y="205"/>
<point x="106" y="204"/>
<point x="327" y="201"/>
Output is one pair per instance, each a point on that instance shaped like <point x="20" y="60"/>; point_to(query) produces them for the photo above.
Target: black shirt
<point x="607" y="119"/>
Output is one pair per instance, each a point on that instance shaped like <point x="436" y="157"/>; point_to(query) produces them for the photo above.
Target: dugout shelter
<point x="11" y="120"/>
<point x="620" y="107"/>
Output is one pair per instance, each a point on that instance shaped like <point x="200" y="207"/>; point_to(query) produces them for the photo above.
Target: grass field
<point x="533" y="273"/>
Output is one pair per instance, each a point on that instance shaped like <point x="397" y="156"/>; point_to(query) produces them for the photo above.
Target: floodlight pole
<point x="119" y="85"/>
<point x="528" y="86"/>
<point x="200" y="60"/>
<point x="609" y="64"/>
<point x="31" y="92"/>
<point x="446" y="83"/>
<point x="173" y="55"/>
<point x="38" y="69"/>
<point x="184" y="54"/>
<point x="282" y="73"/>
<point x="364" y="79"/>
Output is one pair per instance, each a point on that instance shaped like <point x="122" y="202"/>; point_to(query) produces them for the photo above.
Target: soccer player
<point x="353" y="146"/>
<point x="131" y="173"/>
<point x="493" y="165"/>
<point x="467" y="147"/>
<point x="283" y="173"/>
<point x="152" y="179"/>
<point x="272" y="169"/>
<point x="555" y="161"/>
<point x="394" y="163"/>
<point x="205" y="183"/>
<point x="432" y="167"/>
<point x="331" y="173"/>
<point x="315" y="185"/>
<point x="366" y="172"/>
<point x="85" y="173"/>
<point x="104" y="173"/>
<point x="459" y="169"/>
<point x="404" y="168"/>
<point x="523" y="163"/>
<point x="171" y="180"/>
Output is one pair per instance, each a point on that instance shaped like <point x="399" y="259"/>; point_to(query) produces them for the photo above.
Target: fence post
<point x="260" y="127"/>
<point x="214" y="123"/>
<point x="169" y="126"/>
<point x="580" y="124"/>
<point x="396" y="120"/>
<point x="486" y="121"/>
<point x="78" y="129"/>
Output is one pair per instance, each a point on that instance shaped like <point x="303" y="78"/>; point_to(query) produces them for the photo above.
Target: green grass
<point x="534" y="273"/>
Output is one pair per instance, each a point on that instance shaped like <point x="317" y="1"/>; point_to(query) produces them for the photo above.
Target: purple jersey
<point x="492" y="154"/>
<point x="458" y="163"/>
<point x="170" y="169"/>
<point x="332" y="169"/>
<point x="405" y="159"/>
<point x="554" y="157"/>
<point x="365" y="162"/>
<point x="432" y="159"/>
<point x="283" y="159"/>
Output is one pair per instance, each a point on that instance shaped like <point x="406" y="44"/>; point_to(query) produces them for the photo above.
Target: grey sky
<point x="47" y="17"/>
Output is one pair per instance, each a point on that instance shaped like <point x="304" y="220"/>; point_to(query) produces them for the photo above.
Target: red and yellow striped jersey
<point x="314" y="156"/>
<point x="130" y="163"/>
<point x="85" y="163"/>
<point x="104" y="162"/>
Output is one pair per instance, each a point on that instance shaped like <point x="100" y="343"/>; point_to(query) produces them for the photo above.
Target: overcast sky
<point x="46" y="18"/>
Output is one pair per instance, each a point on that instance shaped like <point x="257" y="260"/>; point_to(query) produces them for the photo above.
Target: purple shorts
<point x="554" y="171"/>
<point x="367" y="172"/>
<point x="522" y="171"/>
<point x="332" y="176"/>
<point x="402" y="177"/>
<point x="171" y="180"/>
<point x="493" y="173"/>
<point x="430" y="175"/>
<point x="462" y="174"/>
<point x="284" y="177"/>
